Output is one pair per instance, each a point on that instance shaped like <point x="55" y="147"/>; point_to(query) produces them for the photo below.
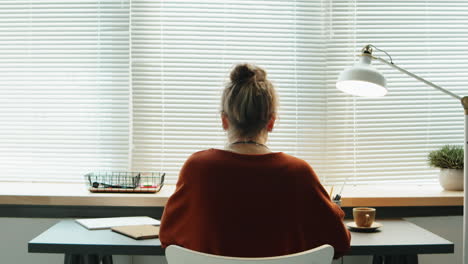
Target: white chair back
<point x="318" y="255"/>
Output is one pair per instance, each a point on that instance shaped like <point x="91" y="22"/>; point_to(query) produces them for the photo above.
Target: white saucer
<point x="353" y="227"/>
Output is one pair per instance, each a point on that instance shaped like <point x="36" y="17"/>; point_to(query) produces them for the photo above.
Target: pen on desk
<point x="331" y="192"/>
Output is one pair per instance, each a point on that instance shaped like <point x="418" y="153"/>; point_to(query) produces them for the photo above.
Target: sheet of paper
<point x="105" y="223"/>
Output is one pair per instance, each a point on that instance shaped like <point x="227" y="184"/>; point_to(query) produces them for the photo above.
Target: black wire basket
<point x="125" y="182"/>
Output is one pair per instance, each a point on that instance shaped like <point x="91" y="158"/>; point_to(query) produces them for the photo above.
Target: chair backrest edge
<point x="323" y="254"/>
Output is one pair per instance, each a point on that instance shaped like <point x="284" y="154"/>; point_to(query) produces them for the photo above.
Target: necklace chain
<point x="249" y="142"/>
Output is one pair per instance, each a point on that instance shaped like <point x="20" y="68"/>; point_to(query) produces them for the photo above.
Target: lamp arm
<point x="417" y="77"/>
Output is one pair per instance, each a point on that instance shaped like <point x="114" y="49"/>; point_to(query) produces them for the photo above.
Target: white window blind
<point x="63" y="88"/>
<point x="135" y="85"/>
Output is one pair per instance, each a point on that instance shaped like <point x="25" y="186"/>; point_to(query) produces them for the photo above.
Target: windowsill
<point x="76" y="194"/>
<point x="68" y="194"/>
<point x="400" y="195"/>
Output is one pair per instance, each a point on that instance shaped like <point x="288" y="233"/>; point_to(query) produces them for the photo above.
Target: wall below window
<point x="16" y="232"/>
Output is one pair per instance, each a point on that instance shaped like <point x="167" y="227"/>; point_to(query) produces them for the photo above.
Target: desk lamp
<point x="364" y="80"/>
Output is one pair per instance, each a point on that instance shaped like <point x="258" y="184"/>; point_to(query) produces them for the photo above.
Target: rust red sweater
<point x="244" y="205"/>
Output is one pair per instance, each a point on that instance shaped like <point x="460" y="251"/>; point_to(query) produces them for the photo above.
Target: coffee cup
<point x="364" y="216"/>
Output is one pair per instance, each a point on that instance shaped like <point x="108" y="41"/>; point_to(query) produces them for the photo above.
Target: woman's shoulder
<point x="201" y="155"/>
<point x="205" y="156"/>
<point x="298" y="167"/>
<point x="278" y="158"/>
<point x="295" y="160"/>
<point x="206" y="153"/>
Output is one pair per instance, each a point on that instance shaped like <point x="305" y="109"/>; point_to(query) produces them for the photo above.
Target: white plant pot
<point x="451" y="179"/>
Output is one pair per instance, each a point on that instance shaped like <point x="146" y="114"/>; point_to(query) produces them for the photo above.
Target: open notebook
<point x="109" y="222"/>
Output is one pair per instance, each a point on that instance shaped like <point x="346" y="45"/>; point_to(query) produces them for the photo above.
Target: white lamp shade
<point x="362" y="80"/>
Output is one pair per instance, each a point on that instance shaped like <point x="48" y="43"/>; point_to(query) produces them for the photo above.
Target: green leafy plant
<point x="448" y="157"/>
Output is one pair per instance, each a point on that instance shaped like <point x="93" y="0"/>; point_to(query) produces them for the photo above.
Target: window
<point x="135" y="85"/>
<point x="64" y="88"/>
<point x="388" y="139"/>
<point x="182" y="53"/>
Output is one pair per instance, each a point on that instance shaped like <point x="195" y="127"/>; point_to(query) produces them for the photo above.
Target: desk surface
<point x="395" y="237"/>
<point x="399" y="237"/>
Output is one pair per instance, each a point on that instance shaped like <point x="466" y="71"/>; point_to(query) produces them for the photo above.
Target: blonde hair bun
<point x="246" y="72"/>
<point x="249" y="101"/>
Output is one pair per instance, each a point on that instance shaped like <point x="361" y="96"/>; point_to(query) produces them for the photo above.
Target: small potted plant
<point x="449" y="159"/>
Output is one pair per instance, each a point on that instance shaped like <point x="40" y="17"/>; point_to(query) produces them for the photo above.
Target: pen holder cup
<point x="337" y="202"/>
